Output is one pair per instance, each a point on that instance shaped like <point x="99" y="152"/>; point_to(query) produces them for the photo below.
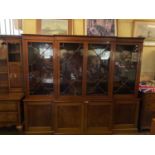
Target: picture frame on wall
<point x="145" y="29"/>
<point x="54" y="26"/>
<point x="101" y="27"/>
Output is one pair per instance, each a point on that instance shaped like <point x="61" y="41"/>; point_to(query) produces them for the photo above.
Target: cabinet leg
<point x="20" y="129"/>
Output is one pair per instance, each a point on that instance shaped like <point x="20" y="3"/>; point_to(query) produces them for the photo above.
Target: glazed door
<point x="94" y="72"/>
<point x="125" y="68"/>
<point x="71" y="69"/>
<point x="15" y="66"/>
<point x="98" y="62"/>
<point x="40" y="66"/>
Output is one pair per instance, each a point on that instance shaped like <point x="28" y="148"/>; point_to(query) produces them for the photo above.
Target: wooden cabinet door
<point x="98" y="117"/>
<point x="38" y="117"/>
<point x="69" y="118"/>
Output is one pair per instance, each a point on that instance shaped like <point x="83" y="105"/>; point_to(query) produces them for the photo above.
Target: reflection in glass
<point x="71" y="68"/>
<point x="98" y="69"/>
<point x="126" y="58"/>
<point x="40" y="68"/>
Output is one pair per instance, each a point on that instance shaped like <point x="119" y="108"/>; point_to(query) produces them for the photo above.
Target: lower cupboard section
<point x="42" y="117"/>
<point x="91" y="117"/>
<point x="125" y="119"/>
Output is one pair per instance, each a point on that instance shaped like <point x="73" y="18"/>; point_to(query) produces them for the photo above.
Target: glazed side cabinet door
<point x="15" y="66"/>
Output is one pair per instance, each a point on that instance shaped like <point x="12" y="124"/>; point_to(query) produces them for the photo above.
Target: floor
<point x="13" y="131"/>
<point x="9" y="131"/>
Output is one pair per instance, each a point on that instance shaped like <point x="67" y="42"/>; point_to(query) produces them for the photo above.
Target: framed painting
<point x="145" y="29"/>
<point x="101" y="27"/>
<point x="54" y="26"/>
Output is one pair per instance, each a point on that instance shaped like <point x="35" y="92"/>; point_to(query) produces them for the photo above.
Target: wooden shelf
<point x="14" y="62"/>
<point x="14" y="53"/>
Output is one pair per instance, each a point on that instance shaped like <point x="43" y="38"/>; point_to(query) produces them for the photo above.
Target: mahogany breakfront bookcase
<point x="81" y="84"/>
<point x="11" y="74"/>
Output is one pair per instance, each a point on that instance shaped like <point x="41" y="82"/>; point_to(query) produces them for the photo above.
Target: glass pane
<point x="98" y="69"/>
<point x="71" y="68"/>
<point x="14" y="52"/>
<point x="126" y="58"/>
<point x="40" y="68"/>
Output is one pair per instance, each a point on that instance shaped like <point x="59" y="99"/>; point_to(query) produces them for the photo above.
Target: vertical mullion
<point x="58" y="67"/>
<point x="138" y="69"/>
<point x="111" y="69"/>
<point x="84" y="81"/>
<point x="55" y="69"/>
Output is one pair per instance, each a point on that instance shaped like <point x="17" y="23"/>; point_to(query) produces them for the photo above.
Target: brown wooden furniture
<point x="11" y="86"/>
<point x="81" y="84"/>
<point x="152" y="131"/>
<point x="147" y="110"/>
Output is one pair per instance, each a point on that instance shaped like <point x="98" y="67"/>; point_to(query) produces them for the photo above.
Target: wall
<point x="124" y="29"/>
<point x="29" y="26"/>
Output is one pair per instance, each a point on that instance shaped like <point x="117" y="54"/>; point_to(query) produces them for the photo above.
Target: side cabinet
<point x="11" y="76"/>
<point x="147" y="111"/>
